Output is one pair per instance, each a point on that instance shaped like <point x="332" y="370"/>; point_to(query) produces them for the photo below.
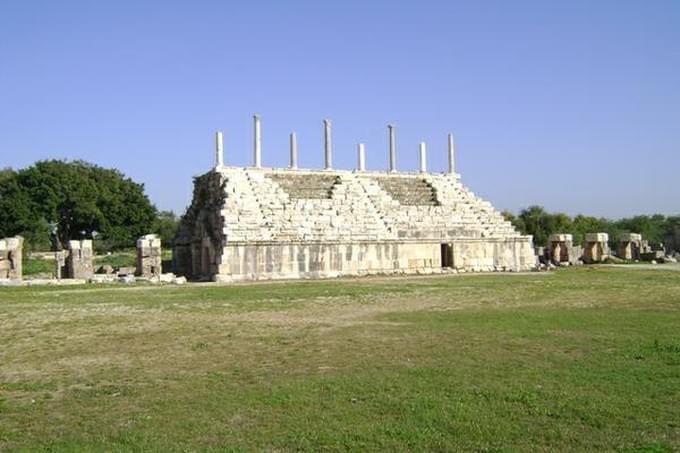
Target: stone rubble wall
<point x="79" y="261"/>
<point x="149" y="258"/>
<point x="11" y="258"/>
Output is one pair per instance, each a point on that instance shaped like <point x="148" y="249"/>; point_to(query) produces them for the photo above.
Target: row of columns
<point x="328" y="149"/>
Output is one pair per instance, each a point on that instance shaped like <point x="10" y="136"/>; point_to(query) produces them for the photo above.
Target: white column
<point x="393" y="150"/>
<point x="328" y="145"/>
<point x="257" y="145"/>
<point x="293" y="151"/>
<point x="361" y="157"/>
<point x="452" y="161"/>
<point x="219" y="149"/>
<point x="423" y="158"/>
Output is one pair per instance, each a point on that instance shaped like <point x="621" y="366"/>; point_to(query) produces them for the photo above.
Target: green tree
<point x="582" y="225"/>
<point x="81" y="197"/>
<point x="537" y="222"/>
<point x="167" y="223"/>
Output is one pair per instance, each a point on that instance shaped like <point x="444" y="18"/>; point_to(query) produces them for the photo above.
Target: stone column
<point x="79" y="260"/>
<point x="219" y="149"/>
<point x="423" y="158"/>
<point x="257" y="158"/>
<point x="393" y="149"/>
<point x="361" y="157"/>
<point x="452" y="157"/>
<point x="11" y="258"/>
<point x="59" y="262"/>
<point x="328" y="145"/>
<point x="149" y="260"/>
<point x="293" y="151"/>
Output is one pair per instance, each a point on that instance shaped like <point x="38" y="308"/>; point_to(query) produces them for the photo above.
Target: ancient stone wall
<point x="79" y="259"/>
<point x="630" y="246"/>
<point x="595" y="248"/>
<point x="149" y="257"/>
<point x="264" y="223"/>
<point x="11" y="258"/>
<point x="201" y="236"/>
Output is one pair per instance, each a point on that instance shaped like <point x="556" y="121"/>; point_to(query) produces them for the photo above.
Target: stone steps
<point x="409" y="191"/>
<point x="306" y="187"/>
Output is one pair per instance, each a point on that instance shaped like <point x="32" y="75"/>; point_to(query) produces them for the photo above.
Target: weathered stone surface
<point x="79" y="260"/>
<point x="630" y="246"/>
<point x="561" y="250"/>
<point x="264" y="223"/>
<point x="11" y="258"/>
<point x="149" y="259"/>
<point x="596" y="247"/>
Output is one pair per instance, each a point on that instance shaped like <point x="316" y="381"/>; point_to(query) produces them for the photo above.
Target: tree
<point x="81" y="197"/>
<point x="537" y="222"/>
<point x="167" y="223"/>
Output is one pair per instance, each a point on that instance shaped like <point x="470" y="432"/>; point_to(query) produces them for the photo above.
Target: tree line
<point x="83" y="200"/>
<point x="539" y="223"/>
<point x="78" y="200"/>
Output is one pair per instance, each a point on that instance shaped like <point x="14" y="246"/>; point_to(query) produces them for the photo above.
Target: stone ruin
<point x="560" y="249"/>
<point x="11" y="258"/>
<point x="149" y="260"/>
<point x="596" y="248"/>
<point x="630" y="246"/>
<point x="79" y="260"/>
<point x="265" y="223"/>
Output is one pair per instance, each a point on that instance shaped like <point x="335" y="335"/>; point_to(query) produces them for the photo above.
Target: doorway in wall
<point x="447" y="255"/>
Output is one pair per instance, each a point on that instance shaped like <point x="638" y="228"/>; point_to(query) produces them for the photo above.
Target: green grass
<point x="116" y="260"/>
<point x="33" y="267"/>
<point x="581" y="359"/>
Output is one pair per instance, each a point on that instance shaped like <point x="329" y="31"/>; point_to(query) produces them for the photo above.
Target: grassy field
<point x="580" y="359"/>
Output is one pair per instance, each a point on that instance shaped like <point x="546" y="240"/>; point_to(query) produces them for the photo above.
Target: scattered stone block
<point x="123" y="271"/>
<point x="105" y="269"/>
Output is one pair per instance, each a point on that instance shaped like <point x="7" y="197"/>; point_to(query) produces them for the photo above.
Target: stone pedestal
<point x="10" y="258"/>
<point x="59" y="263"/>
<point x="595" y="247"/>
<point x="630" y="245"/>
<point x="560" y="248"/>
<point x="79" y="259"/>
<point x="149" y="261"/>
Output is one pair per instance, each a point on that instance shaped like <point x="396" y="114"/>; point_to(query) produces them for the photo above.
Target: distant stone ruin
<point x="630" y="246"/>
<point x="265" y="223"/>
<point x="596" y="248"/>
<point x="149" y="259"/>
<point x="561" y="248"/>
<point x="11" y="258"/>
<point x="79" y="259"/>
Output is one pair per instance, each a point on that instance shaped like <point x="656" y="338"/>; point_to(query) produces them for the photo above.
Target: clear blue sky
<point x="574" y="105"/>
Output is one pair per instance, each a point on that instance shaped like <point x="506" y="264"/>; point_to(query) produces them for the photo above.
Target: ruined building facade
<point x="261" y="223"/>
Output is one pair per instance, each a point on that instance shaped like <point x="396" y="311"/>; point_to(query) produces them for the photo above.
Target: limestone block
<point x="149" y="256"/>
<point x="560" y="238"/>
<point x="630" y="237"/>
<point x="597" y="237"/>
<point x="79" y="259"/>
